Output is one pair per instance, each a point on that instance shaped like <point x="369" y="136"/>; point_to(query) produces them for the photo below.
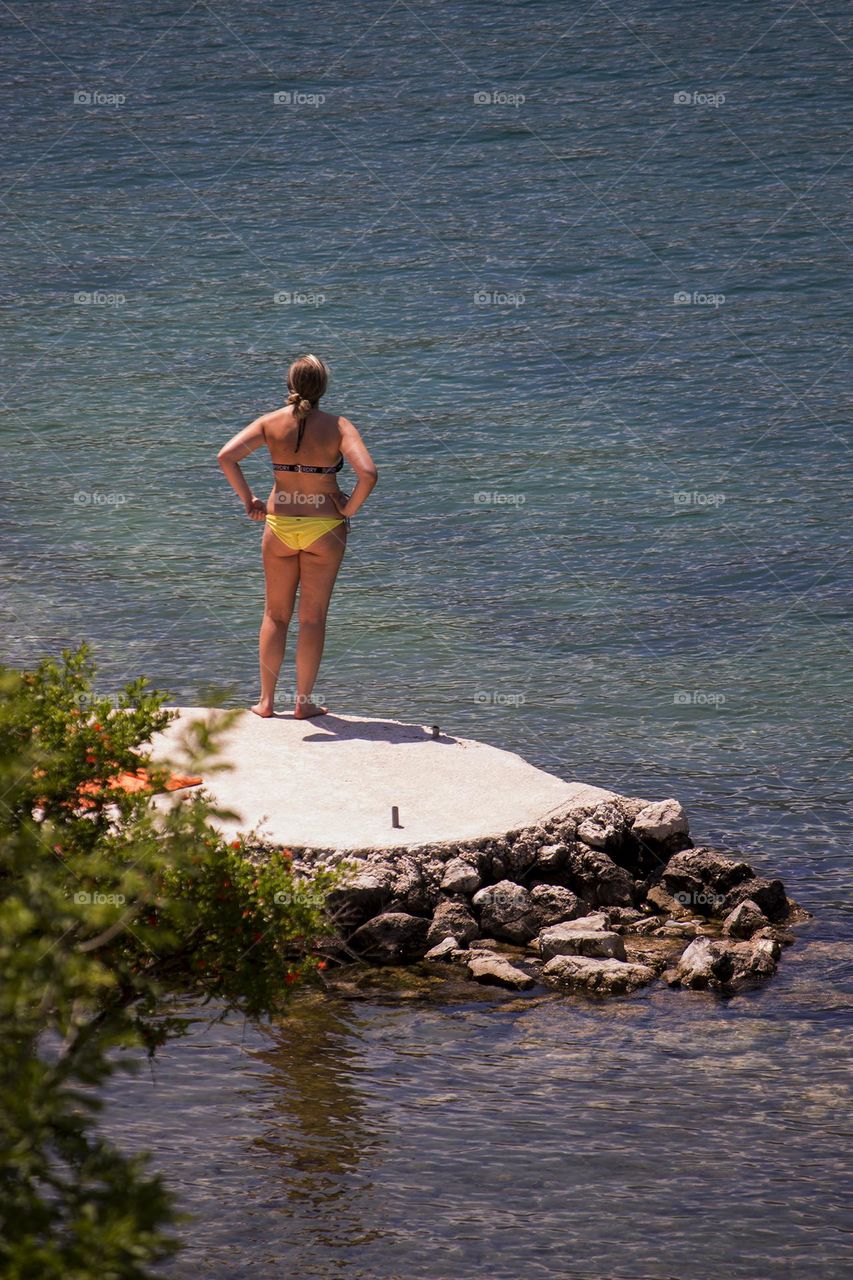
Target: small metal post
<point x="395" y="816"/>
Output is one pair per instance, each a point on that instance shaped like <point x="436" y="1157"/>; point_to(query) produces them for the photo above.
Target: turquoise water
<point x="609" y="534"/>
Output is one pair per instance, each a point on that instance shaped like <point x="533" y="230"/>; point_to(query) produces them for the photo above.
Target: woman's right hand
<point x="256" y="510"/>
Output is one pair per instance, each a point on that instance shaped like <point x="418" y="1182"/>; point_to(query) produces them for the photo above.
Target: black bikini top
<point x="322" y="471"/>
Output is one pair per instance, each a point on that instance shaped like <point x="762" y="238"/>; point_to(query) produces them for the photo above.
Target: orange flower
<point x="287" y="853"/>
<point x="91" y="758"/>
<point x="321" y="964"/>
<point x="235" y="844"/>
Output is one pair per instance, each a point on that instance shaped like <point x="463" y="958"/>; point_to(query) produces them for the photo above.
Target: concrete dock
<point x="333" y="781"/>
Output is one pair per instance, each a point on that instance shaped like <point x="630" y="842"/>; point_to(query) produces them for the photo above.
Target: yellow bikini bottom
<point x="298" y="532"/>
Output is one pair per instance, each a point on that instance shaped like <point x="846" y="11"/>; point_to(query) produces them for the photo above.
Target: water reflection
<point x="319" y="1136"/>
<point x="670" y="1134"/>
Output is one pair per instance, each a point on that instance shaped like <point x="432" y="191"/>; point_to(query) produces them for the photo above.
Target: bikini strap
<point x="295" y="466"/>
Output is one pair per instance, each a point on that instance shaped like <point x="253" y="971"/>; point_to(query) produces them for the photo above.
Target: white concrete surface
<point x="330" y="782"/>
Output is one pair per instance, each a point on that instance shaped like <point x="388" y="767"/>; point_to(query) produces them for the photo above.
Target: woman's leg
<point x="318" y="569"/>
<point x="281" y="571"/>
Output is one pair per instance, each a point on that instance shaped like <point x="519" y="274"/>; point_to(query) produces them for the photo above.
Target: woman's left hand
<point x="256" y="510"/>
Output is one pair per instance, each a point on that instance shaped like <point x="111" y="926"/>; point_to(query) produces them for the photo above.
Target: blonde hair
<point x="307" y="379"/>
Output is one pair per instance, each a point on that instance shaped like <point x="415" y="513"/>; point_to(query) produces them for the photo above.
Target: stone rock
<point x="768" y="895"/>
<point x="631" y="806"/>
<point x="745" y="920"/>
<point x="497" y="971"/>
<point x="553" y="903"/>
<point x="604" y="828"/>
<point x="650" y="924"/>
<point x="452" y="919"/>
<point x="486" y="944"/>
<point x="660" y="821"/>
<point x="364" y="891"/>
<point x="701" y="879"/>
<point x="597" y="920"/>
<point x="520" y="857"/>
<point x="597" y="879"/>
<point x="460" y="877"/>
<point x="508" y="911"/>
<point x="415" y="885"/>
<point x="391" y="937"/>
<point x="550" y="858"/>
<point x="723" y="965"/>
<point x="677" y="929"/>
<point x="666" y="904"/>
<point x="701" y="965"/>
<point x="597" y="977"/>
<point x="479" y="859"/>
<point x="622" y="918"/>
<point x="772" y="941"/>
<point x="759" y="958"/>
<point x="443" y="950"/>
<point x="783" y="937"/>
<point x="568" y="940"/>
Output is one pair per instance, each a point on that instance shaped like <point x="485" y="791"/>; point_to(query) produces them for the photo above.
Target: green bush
<point x="110" y="904"/>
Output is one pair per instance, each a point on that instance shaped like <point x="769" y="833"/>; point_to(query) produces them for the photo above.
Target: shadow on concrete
<point x="332" y="728"/>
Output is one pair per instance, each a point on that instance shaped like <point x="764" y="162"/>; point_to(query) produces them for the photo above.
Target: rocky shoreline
<point x="606" y="898"/>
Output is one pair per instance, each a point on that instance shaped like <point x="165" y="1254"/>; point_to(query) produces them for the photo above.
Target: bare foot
<point x="263" y="709"/>
<point x="306" y="709"/>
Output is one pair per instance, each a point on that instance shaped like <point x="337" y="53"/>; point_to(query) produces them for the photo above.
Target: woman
<point x="307" y="518"/>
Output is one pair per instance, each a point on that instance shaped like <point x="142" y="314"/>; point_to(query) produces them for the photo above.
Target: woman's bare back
<point x="298" y="492"/>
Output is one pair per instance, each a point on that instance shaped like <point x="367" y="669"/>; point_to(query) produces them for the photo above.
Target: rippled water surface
<point x="609" y="534"/>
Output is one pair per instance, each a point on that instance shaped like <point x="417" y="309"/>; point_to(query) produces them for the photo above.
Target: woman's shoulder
<point x="277" y="417"/>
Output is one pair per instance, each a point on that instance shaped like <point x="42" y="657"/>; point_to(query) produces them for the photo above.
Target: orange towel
<point x="138" y="781"/>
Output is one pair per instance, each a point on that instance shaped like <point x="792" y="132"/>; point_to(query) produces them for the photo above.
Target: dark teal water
<point x="609" y="534"/>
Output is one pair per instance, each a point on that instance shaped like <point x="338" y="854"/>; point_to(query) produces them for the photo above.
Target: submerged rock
<point x="391" y="937"/>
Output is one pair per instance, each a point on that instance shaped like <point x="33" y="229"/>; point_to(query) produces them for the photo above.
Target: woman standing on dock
<point x="307" y="520"/>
